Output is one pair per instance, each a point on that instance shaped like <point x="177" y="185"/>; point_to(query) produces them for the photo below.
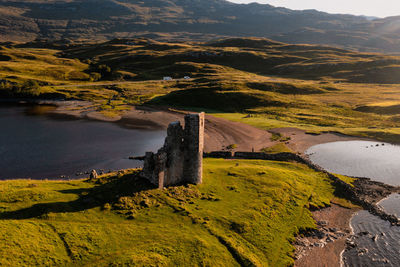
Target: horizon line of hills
<point x="191" y="20"/>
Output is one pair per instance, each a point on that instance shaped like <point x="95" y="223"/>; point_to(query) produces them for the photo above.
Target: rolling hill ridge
<point x="26" y="20"/>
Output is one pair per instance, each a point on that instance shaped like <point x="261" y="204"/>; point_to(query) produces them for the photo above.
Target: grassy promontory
<point x="247" y="212"/>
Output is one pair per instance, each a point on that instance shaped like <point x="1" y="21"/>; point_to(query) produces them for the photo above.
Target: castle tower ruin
<point x="180" y="160"/>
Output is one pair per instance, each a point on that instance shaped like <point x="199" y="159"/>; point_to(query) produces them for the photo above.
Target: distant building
<point x="186" y="77"/>
<point x="167" y="78"/>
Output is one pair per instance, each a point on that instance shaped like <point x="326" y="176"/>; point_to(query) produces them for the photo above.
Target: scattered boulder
<point x="93" y="174"/>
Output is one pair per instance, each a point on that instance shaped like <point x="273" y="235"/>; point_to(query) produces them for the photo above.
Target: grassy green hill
<point x="148" y="59"/>
<point x="245" y="213"/>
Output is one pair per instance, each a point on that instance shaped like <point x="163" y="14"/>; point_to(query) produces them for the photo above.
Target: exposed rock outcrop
<point x="93" y="174"/>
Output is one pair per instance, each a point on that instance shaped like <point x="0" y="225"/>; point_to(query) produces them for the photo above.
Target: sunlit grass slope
<point x="43" y="65"/>
<point x="245" y="213"/>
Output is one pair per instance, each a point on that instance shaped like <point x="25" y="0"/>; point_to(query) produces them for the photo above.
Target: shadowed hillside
<point x="26" y="20"/>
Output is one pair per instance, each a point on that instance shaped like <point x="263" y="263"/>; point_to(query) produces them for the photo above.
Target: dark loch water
<point x="377" y="242"/>
<point x="40" y="147"/>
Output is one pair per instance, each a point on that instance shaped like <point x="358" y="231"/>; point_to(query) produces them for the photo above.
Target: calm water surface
<point x="39" y="147"/>
<point x="378" y="161"/>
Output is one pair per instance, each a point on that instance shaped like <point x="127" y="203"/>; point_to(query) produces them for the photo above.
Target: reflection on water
<point x="39" y="109"/>
<point x="378" y="161"/>
<point x="38" y="147"/>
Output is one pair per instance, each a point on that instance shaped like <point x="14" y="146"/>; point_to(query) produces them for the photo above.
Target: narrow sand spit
<point x="300" y="140"/>
<point x="219" y="133"/>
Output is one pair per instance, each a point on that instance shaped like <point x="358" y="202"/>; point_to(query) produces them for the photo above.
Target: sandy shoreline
<point x="219" y="133"/>
<point x="300" y="140"/>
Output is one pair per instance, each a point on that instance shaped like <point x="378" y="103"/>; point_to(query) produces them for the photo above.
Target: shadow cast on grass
<point x="106" y="190"/>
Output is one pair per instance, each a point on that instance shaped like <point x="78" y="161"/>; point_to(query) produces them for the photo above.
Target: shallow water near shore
<point x="391" y="204"/>
<point x="38" y="147"/>
<point x="376" y="242"/>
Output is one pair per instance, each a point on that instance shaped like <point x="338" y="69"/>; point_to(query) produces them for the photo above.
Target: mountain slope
<point x="25" y="20"/>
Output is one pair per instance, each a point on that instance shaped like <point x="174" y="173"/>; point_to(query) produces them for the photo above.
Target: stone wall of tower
<point x="193" y="148"/>
<point x="174" y="148"/>
<point x="180" y="160"/>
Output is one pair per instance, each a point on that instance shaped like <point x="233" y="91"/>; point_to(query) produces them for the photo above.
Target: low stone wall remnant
<point x="219" y="154"/>
<point x="284" y="156"/>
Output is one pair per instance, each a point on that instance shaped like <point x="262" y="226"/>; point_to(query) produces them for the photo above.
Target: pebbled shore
<point x="323" y="247"/>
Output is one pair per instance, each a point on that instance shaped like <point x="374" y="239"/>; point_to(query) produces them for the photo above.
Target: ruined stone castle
<point x="180" y="160"/>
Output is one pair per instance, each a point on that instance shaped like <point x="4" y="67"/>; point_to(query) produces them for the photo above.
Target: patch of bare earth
<point x="300" y="140"/>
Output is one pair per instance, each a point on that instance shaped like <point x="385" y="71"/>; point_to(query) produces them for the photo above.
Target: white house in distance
<point x="167" y="78"/>
<point x="186" y="77"/>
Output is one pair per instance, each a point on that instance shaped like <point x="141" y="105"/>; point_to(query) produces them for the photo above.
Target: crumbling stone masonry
<point x="180" y="160"/>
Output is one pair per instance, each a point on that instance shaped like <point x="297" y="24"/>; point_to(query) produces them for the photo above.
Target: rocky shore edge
<point x="363" y="192"/>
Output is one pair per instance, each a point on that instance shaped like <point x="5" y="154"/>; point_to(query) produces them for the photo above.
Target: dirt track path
<point x="219" y="133"/>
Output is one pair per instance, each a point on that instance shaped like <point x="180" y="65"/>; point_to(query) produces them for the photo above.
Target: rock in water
<point x="93" y="174"/>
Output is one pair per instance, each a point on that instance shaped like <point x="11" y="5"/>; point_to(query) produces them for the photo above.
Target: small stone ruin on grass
<point x="180" y="160"/>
